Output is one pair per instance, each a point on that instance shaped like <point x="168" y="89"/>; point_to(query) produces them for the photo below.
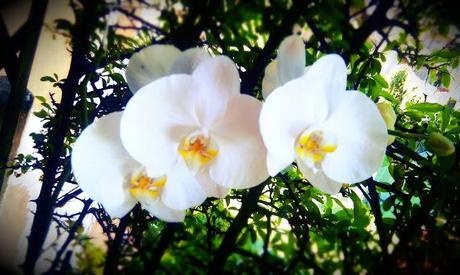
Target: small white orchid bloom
<point x="289" y="64"/>
<point x="335" y="136"/>
<point x="158" y="61"/>
<point x="197" y="124"/>
<point x="108" y="174"/>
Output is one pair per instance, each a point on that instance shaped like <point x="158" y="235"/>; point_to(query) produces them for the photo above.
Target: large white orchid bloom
<point x="197" y="124"/>
<point x="335" y="136"/>
<point x="106" y="171"/>
<point x="157" y="61"/>
<point x="108" y="174"/>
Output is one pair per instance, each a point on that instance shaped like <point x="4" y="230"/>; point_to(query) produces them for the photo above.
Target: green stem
<point x="406" y="135"/>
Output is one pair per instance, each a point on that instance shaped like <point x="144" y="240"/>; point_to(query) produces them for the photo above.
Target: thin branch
<point x="45" y="205"/>
<point x="114" y="249"/>
<point x="140" y="20"/>
<point x="70" y="236"/>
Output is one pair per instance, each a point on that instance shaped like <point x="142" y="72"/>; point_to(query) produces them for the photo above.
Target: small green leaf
<point x="41" y="114"/>
<point x="388" y="203"/>
<point x="40" y="98"/>
<point x="47" y="78"/>
<point x="445" y="79"/>
<point x="118" y="77"/>
<point x="445" y="115"/>
<point x="243" y="238"/>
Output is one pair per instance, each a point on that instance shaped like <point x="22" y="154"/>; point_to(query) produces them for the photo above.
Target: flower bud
<point x="439" y="144"/>
<point x="451" y="103"/>
<point x="389" y="116"/>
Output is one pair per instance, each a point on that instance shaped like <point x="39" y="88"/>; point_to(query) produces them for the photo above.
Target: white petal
<point x="240" y="161"/>
<point x="319" y="179"/>
<point x="291" y="58"/>
<point x="119" y="210"/>
<point x="361" y="138"/>
<point x="156" y="120"/>
<point x="270" y="80"/>
<point x="329" y="75"/>
<point x="210" y="187"/>
<point x="219" y="80"/>
<point x="188" y="60"/>
<point x="274" y="166"/>
<point x="158" y="209"/>
<point x="101" y="165"/>
<point x="182" y="190"/>
<point x="149" y="64"/>
<point x="286" y="113"/>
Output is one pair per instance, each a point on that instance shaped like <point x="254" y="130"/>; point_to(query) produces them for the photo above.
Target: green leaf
<point x="252" y="234"/>
<point x="40" y="98"/>
<point x="445" y="115"/>
<point x="388" y="203"/>
<point x="445" y="79"/>
<point x="346" y="210"/>
<point x="118" y="77"/>
<point x="358" y="207"/>
<point x="41" y="114"/>
<point x="426" y="107"/>
<point x="456" y="114"/>
<point x="361" y="221"/>
<point x="242" y="240"/>
<point x="380" y="80"/>
<point x="276" y="238"/>
<point x="453" y="131"/>
<point x="417" y="115"/>
<point x="47" y="78"/>
<point x="313" y="208"/>
<point x="387" y="96"/>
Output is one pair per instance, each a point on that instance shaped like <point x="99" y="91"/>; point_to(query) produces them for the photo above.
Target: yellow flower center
<point x="313" y="146"/>
<point x="143" y="186"/>
<point x="197" y="150"/>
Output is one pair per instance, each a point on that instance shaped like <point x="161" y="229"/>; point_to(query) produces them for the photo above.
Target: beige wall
<point x="51" y="57"/>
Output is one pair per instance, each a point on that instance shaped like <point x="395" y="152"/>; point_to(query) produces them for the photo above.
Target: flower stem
<point x="406" y="135"/>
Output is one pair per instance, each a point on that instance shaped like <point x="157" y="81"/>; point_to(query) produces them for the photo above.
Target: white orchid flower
<point x="106" y="171"/>
<point x="197" y="124"/>
<point x="108" y="174"/>
<point x="335" y="136"/>
<point x="289" y="64"/>
<point x="157" y="61"/>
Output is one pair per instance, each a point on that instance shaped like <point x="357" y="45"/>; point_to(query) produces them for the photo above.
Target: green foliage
<point x="397" y="86"/>
<point x="404" y="220"/>
<point x="91" y="259"/>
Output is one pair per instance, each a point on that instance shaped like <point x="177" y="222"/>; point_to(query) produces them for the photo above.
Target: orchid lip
<point x="141" y="185"/>
<point x="198" y="149"/>
<point x="313" y="145"/>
